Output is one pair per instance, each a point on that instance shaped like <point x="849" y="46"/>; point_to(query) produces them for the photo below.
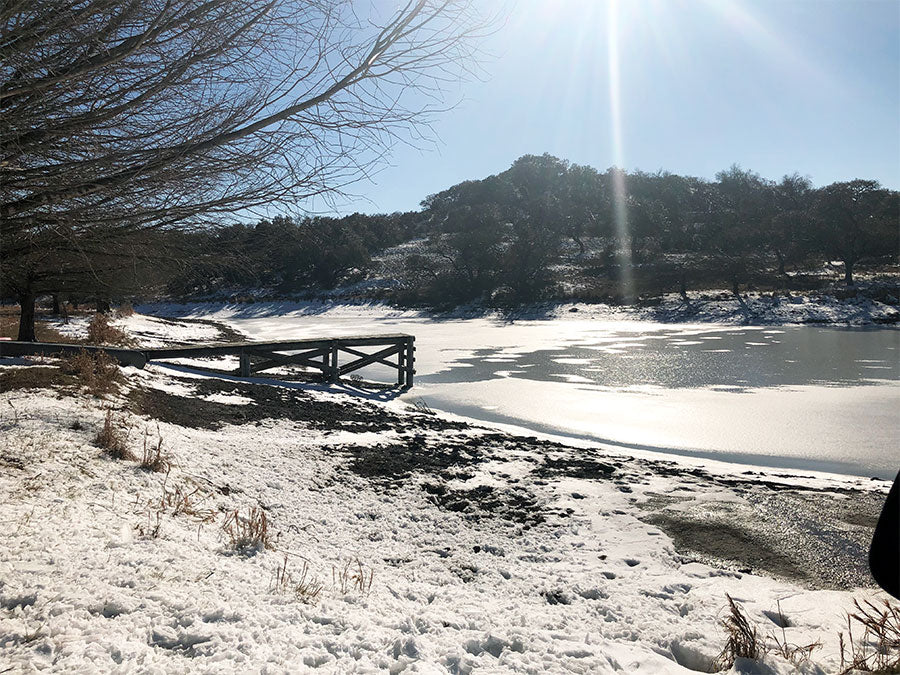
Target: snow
<point x="809" y="423"/>
<point x="85" y="587"/>
<point x="146" y="331"/>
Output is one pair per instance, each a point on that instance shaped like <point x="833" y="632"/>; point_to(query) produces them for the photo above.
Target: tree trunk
<point x="26" y="317"/>
<point x="780" y="257"/>
<point x="848" y="272"/>
<point x="103" y="306"/>
<point x="56" y="311"/>
<point x="682" y="287"/>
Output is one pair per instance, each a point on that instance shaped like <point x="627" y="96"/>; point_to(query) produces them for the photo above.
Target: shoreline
<point x="866" y="304"/>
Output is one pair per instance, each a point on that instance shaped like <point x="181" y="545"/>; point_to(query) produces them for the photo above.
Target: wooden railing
<point x="324" y="355"/>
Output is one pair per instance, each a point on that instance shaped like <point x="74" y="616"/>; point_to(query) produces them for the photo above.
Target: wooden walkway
<point x="330" y="358"/>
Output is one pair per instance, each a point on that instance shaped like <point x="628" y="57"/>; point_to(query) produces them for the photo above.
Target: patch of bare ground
<point x="268" y="402"/>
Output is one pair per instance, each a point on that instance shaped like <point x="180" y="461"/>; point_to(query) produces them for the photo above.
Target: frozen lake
<point x="799" y="397"/>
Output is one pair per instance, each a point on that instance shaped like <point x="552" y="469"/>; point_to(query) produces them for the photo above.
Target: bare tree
<point x="121" y="116"/>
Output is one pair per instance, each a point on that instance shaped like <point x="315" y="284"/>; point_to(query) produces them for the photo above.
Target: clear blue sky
<point x="776" y="86"/>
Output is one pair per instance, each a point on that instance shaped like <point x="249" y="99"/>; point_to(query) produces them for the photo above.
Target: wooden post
<point x="245" y="363"/>
<point x="334" y="373"/>
<point x="401" y="366"/>
<point x="410" y="362"/>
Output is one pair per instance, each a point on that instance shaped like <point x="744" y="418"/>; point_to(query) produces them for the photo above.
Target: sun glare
<point x="620" y="198"/>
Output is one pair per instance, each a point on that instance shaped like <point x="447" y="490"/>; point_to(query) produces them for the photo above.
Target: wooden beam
<point x="365" y="355"/>
<point x="370" y="359"/>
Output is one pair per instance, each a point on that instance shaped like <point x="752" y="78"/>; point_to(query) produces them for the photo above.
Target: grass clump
<point x="96" y="371"/>
<point x="249" y="533"/>
<point x="304" y="587"/>
<point x="878" y="650"/>
<point x="113" y="438"/>
<point x="101" y="332"/>
<point x="153" y="458"/>
<point x="742" y="640"/>
<point x="352" y="576"/>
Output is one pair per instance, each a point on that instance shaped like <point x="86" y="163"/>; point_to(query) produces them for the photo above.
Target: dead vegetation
<point x="101" y="332"/>
<point x="878" y="649"/>
<point x="250" y="533"/>
<point x="304" y="587"/>
<point x="742" y="638"/>
<point x="44" y="332"/>
<point x="153" y="458"/>
<point x="113" y="438"/>
<point x="96" y="371"/>
<point x="352" y="576"/>
<point x="35" y="377"/>
<point x="124" y="310"/>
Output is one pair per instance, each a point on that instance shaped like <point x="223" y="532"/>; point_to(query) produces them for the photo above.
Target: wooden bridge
<point x="323" y="356"/>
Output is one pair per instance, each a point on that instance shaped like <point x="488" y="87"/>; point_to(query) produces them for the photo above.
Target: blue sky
<point x="776" y="86"/>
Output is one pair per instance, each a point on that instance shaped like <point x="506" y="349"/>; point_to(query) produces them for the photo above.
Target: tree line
<point x="544" y="225"/>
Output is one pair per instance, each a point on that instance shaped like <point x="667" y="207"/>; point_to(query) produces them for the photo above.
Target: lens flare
<point x="620" y="196"/>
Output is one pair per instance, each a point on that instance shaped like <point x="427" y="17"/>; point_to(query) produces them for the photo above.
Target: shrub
<point x="96" y="371"/>
<point x="100" y="332"/>
<point x="113" y="439"/>
<point x="248" y="534"/>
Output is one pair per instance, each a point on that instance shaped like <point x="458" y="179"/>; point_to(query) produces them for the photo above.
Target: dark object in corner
<point x="884" y="553"/>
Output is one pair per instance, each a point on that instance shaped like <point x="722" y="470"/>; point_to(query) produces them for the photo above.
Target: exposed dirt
<point x="268" y="403"/>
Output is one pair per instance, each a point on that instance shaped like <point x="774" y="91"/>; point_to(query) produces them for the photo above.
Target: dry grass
<point x="182" y="501"/>
<point x="124" y="310"/>
<point x="248" y="533"/>
<point x="796" y="654"/>
<point x="305" y="587"/>
<point x="34" y="377"/>
<point x="96" y="371"/>
<point x="352" y="576"/>
<point x="113" y="438"/>
<point x="743" y="639"/>
<point x="878" y="650"/>
<point x="9" y="328"/>
<point x="100" y="332"/>
<point x="153" y="458"/>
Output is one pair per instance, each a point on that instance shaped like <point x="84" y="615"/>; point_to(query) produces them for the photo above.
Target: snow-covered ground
<point x="146" y="331"/>
<point x="486" y="552"/>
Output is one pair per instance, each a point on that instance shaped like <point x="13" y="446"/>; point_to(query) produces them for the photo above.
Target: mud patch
<point x="395" y="462"/>
<point x="716" y="542"/>
<point x="269" y="402"/>
<point x="514" y="505"/>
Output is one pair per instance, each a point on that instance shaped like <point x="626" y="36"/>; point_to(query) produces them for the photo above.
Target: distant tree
<point x="854" y="220"/>
<point x="788" y="230"/>
<point x="735" y="231"/>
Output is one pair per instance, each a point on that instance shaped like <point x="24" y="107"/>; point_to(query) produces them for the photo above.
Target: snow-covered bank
<point x="865" y="304"/>
<point x="487" y="552"/>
